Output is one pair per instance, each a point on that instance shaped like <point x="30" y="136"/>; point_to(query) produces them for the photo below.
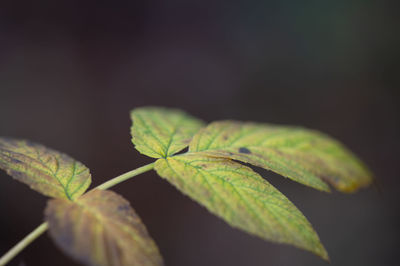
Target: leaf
<point x="161" y="132"/>
<point x="101" y="229"/>
<point x="305" y="156"/>
<point x="241" y="197"/>
<point x="45" y="170"/>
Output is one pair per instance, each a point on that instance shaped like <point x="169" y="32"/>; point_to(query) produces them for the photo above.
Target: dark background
<point x="70" y="72"/>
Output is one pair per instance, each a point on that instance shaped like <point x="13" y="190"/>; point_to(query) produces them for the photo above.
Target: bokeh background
<point x="70" y="72"/>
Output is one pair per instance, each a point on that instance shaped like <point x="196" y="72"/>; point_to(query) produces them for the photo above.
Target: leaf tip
<point x="324" y="254"/>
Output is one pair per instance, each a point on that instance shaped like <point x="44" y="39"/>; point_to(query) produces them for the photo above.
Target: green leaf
<point x="241" y="197"/>
<point x="45" y="170"/>
<point x="161" y="132"/>
<point x="101" y="229"/>
<point x="305" y="156"/>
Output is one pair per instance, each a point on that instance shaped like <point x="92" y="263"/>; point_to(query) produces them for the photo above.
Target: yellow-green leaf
<point x="47" y="171"/>
<point x="305" y="156"/>
<point x="160" y="132"/>
<point x="241" y="197"/>
<point x="101" y="229"/>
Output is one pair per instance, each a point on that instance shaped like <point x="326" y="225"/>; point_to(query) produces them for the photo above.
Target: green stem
<point x="23" y="244"/>
<point x="126" y="176"/>
<point x="14" y="251"/>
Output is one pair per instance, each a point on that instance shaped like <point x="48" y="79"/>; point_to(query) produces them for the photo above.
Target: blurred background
<point x="70" y="72"/>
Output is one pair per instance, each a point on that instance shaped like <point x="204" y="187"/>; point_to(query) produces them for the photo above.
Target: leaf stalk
<point x="126" y="176"/>
<point x="23" y="243"/>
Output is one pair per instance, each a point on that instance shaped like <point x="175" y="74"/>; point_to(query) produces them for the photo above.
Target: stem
<point x="126" y="176"/>
<point x="14" y="251"/>
<point x="23" y="244"/>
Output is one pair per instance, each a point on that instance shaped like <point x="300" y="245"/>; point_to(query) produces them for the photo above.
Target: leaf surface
<point x="47" y="171"/>
<point x="305" y="156"/>
<point x="101" y="229"/>
<point x="161" y="132"/>
<point x="241" y="197"/>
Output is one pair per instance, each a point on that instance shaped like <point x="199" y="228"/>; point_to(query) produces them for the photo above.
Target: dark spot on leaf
<point x="16" y="161"/>
<point x="29" y="143"/>
<point x="16" y="174"/>
<point x="244" y="150"/>
<point x="124" y="207"/>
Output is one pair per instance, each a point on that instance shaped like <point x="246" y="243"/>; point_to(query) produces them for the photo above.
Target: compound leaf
<point x="305" y="156"/>
<point x="161" y="132"/>
<point x="101" y="229"/>
<point x="241" y="197"/>
<point x="47" y="171"/>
